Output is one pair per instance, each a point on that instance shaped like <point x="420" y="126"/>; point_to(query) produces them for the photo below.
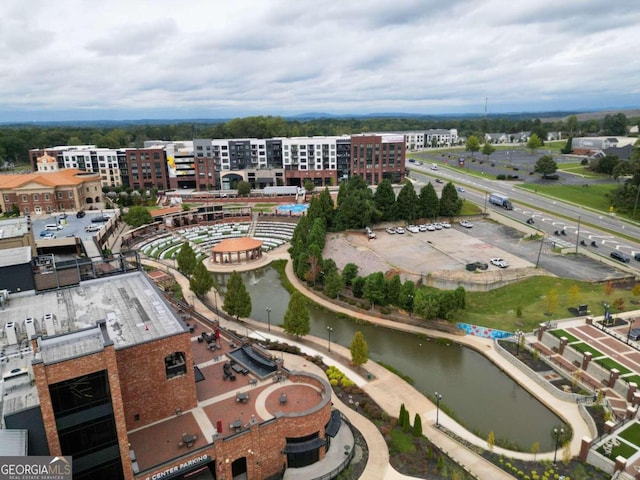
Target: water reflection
<point x="482" y="396"/>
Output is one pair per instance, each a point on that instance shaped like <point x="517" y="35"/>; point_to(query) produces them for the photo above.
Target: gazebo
<point x="237" y="250"/>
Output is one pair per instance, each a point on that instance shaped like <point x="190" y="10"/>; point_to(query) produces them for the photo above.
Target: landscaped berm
<point x="237" y="250"/>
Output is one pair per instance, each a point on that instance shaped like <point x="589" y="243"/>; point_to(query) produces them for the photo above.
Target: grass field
<point x="631" y="434"/>
<point x="611" y="364"/>
<point x="498" y="308"/>
<point x="559" y="333"/>
<point x="401" y="442"/>
<point x="633" y="379"/>
<point x="593" y="196"/>
<point x="625" y="450"/>
<point x="583" y="347"/>
<point x="578" y="169"/>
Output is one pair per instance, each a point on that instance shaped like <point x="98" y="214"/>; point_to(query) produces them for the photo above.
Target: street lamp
<point x="268" y="309"/>
<point x="329" y="330"/>
<point x="557" y="434"/>
<point x="410" y="304"/>
<point x="438" y="398"/>
<point x="518" y="334"/>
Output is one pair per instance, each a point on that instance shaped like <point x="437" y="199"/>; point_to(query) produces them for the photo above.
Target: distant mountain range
<point x="550" y="116"/>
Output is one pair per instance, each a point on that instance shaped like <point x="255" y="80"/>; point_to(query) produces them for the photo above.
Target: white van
<point x="53" y="227"/>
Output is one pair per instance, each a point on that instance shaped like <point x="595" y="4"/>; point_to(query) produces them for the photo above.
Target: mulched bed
<point x="525" y="356"/>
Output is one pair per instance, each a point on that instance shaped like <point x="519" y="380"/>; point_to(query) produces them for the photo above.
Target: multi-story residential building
<point x="144" y="168"/>
<point x="50" y="191"/>
<point x="440" y="138"/>
<point x="213" y="164"/>
<point x="378" y="157"/>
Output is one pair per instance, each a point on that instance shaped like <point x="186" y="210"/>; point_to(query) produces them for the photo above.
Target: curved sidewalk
<point x="389" y="391"/>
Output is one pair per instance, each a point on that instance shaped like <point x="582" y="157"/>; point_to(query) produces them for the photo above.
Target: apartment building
<point x="378" y="157"/>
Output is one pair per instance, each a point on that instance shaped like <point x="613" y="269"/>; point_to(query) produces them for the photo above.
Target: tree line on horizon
<point x="17" y="140"/>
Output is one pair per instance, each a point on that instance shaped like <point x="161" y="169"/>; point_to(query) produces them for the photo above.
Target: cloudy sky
<point x="132" y="59"/>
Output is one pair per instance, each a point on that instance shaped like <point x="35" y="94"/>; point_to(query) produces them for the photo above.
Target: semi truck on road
<point x="501" y="200"/>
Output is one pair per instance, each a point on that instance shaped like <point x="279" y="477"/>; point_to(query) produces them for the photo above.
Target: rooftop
<point x="67" y="320"/>
<point x="14" y="227"/>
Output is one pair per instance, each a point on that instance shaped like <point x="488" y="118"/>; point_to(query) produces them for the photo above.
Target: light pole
<point x="410" y="304"/>
<point x="578" y="235"/>
<point x="329" y="330"/>
<point x="557" y="433"/>
<point x="438" y="398"/>
<point x="268" y="309"/>
<point x="518" y="334"/>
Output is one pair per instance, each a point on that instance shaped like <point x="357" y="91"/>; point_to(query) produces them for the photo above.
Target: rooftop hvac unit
<point x="30" y="327"/>
<point x="12" y="336"/>
<point x="49" y="324"/>
<point x="4" y="296"/>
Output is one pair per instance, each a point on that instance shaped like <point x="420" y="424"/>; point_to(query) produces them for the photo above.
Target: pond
<point x="482" y="397"/>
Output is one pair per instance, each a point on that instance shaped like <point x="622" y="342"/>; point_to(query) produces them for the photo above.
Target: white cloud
<point x="244" y="57"/>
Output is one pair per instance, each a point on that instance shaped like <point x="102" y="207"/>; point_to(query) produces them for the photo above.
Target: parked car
<point x="621" y="257"/>
<point x="53" y="227"/>
<point x="399" y="230"/>
<point x="92" y="228"/>
<point x="637" y="257"/>
<point x="390" y="230"/>
<point x="413" y="228"/>
<point x="473" y="266"/>
<point x="445" y="225"/>
<point x="466" y="224"/>
<point x="499" y="262"/>
<point x="439" y="180"/>
<point x="80" y="214"/>
<point x="100" y="218"/>
<point x="461" y="189"/>
<point x="44" y="233"/>
<point x="49" y="236"/>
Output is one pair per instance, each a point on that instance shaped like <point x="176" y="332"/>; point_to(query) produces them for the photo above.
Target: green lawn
<point x="593" y="196"/>
<point x="563" y="333"/>
<point x="583" y="347"/>
<point x="578" y="169"/>
<point x="401" y="442"/>
<point x="632" y="434"/>
<point x="611" y="364"/>
<point x="633" y="379"/>
<point x="625" y="450"/>
<point x="497" y="308"/>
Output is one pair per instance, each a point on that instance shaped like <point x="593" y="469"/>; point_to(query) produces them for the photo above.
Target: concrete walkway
<point x="389" y="391"/>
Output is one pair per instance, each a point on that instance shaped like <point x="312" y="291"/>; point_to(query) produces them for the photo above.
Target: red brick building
<point x="130" y="391"/>
<point x="378" y="157"/>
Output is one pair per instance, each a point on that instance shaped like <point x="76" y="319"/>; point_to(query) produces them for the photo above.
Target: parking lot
<point x="445" y="253"/>
<point x="71" y="225"/>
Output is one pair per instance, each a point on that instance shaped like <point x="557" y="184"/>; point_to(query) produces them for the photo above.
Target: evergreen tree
<point x="393" y="290"/>
<point x="186" y="259"/>
<point x="401" y="414"/>
<point x="417" y="426"/>
<point x="357" y="287"/>
<point x="385" y="201"/>
<point x="237" y="301"/>
<point x="407" y="203"/>
<point x="450" y="203"/>
<point x="406" y="296"/>
<point x="201" y="281"/>
<point x="355" y="211"/>
<point x="375" y="287"/>
<point x="296" y="318"/>
<point x="359" y="350"/>
<point x="429" y="203"/>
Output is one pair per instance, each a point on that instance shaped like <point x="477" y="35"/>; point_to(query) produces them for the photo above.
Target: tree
<point x="407" y="203"/>
<point x="535" y="448"/>
<point x="491" y="440"/>
<point x="488" y="149"/>
<point x="237" y="301"/>
<point x="552" y="300"/>
<point x="429" y="203"/>
<point x="385" y="201"/>
<point x="450" y="203"/>
<point x="359" y="350"/>
<point x="393" y="290"/>
<point x="357" y="287"/>
<point x="186" y="259"/>
<point x="350" y="271"/>
<point x="375" y="288"/>
<point x="545" y="165"/>
<point x="417" y="426"/>
<point x="472" y="145"/>
<point x="296" y="318"/>
<point x="137" y="216"/>
<point x="201" y="281"/>
<point x="333" y="284"/>
<point x="614" y="124"/>
<point x="244" y="188"/>
<point x="534" y="143"/>
<point x="309" y="186"/>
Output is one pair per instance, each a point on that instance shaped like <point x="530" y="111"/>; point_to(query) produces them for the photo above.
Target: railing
<point x="348" y="457"/>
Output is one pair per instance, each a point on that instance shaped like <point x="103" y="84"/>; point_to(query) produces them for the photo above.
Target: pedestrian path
<point x="389" y="391"/>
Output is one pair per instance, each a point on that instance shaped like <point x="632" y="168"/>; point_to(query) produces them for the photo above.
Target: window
<point x="24" y="198"/>
<point x="6" y="198"/>
<point x="70" y="194"/>
<point x="59" y="194"/>
<point x="175" y="364"/>
<point x="46" y="196"/>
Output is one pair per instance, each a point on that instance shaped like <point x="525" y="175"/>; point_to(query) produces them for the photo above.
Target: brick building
<point x="378" y="157"/>
<point x="50" y="191"/>
<point x="108" y="373"/>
